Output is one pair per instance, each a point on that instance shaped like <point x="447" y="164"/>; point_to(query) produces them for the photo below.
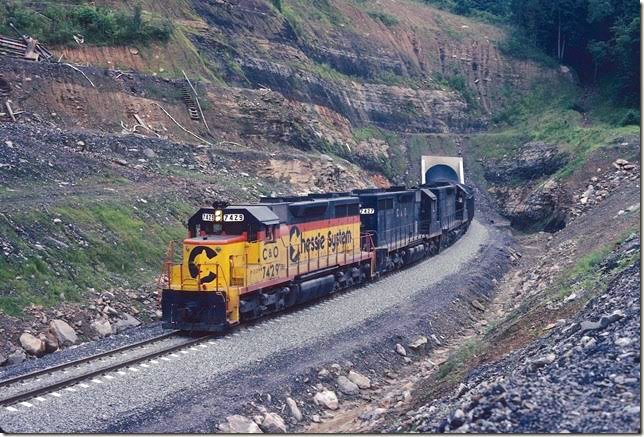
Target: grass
<point x="99" y="245"/>
<point x="56" y="24"/>
<point x="453" y="368"/>
<point x="384" y="18"/>
<point x="551" y="114"/>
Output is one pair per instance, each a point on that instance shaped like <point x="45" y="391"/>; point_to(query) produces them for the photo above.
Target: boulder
<point x="102" y="327"/>
<point x="327" y="399"/>
<point x="360" y="380"/>
<point x="401" y="350"/>
<point x="295" y="411"/>
<point x="51" y="342"/>
<point x="240" y="424"/>
<point x="418" y="343"/>
<point x="16" y="357"/>
<point x="347" y="387"/>
<point x="32" y="344"/>
<point x="64" y="333"/>
<point x="273" y="423"/>
<point x="126" y="321"/>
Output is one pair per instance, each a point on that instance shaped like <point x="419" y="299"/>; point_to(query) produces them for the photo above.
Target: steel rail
<point x="84" y="360"/>
<point x="29" y="394"/>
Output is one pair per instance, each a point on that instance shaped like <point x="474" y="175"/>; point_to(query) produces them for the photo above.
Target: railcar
<point x="241" y="262"/>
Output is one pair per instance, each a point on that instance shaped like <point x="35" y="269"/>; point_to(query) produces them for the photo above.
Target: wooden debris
<point x="181" y="127"/>
<point x="197" y="100"/>
<point x="81" y="72"/>
<point x="10" y="111"/>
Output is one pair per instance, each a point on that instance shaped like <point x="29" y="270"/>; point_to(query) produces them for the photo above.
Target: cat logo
<point x="201" y="263"/>
<point x="295" y="245"/>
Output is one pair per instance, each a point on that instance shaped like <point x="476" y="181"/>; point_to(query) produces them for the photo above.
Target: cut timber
<point x="197" y="100"/>
<point x="10" y="111"/>
<point x="81" y="72"/>
<point x="30" y="53"/>
<point x="181" y="127"/>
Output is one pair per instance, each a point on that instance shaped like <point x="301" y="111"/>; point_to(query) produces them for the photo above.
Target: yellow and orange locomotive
<point x="241" y="262"/>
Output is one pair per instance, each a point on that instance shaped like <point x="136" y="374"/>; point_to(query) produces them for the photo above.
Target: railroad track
<point x="31" y="393"/>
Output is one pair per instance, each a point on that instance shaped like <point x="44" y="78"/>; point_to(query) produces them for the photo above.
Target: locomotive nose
<point x="188" y="312"/>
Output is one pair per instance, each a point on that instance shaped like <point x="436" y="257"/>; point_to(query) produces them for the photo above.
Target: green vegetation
<point x="556" y="115"/>
<point x="384" y="18"/>
<point x="109" y="243"/>
<point x="599" y="39"/>
<point x="56" y="24"/>
<point x="586" y="275"/>
<point x="454" y="367"/>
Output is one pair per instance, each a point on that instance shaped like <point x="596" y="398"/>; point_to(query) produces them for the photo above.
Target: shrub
<point x="56" y="25"/>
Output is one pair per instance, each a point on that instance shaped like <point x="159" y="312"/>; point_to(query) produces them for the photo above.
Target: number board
<point x="366" y="211"/>
<point x="233" y="217"/>
<point x="207" y="217"/>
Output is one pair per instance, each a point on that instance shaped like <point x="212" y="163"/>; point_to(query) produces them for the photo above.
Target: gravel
<point x="138" y="393"/>
<point x="572" y="380"/>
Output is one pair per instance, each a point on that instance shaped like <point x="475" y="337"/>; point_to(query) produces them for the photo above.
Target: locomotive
<point x="241" y="262"/>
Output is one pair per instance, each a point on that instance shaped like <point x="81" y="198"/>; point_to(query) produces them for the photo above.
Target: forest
<point x="598" y="39"/>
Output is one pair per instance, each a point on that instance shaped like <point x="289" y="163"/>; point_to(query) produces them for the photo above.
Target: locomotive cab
<point x="203" y="290"/>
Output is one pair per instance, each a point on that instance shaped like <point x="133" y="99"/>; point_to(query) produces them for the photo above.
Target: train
<point x="241" y="262"/>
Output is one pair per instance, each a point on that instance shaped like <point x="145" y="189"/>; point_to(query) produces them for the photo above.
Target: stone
<point x="295" y="411"/>
<point x="457" y="419"/>
<point x="418" y="343"/>
<point x="125" y="322"/>
<point x="401" y="350"/>
<point x="360" y="380"/>
<point x="588" y="326"/>
<point x="346" y="386"/>
<point x="240" y="424"/>
<point x="273" y="423"/>
<point x="336" y="368"/>
<point x="607" y="320"/>
<point x="64" y="333"/>
<point x="32" y="344"/>
<point x="16" y="357"/>
<point x="134" y="51"/>
<point x="623" y="341"/>
<point x="476" y="304"/>
<point x="57" y="220"/>
<point x="323" y="374"/>
<point x="51" y="341"/>
<point x="3" y="359"/>
<point x="633" y="207"/>
<point x="621" y="162"/>
<point x="149" y="153"/>
<point x="110" y="311"/>
<point x="316" y="418"/>
<point x="327" y="399"/>
<point x="544" y="360"/>
<point x="102" y="327"/>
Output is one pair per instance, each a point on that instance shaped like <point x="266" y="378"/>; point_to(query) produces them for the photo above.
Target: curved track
<point x="33" y="377"/>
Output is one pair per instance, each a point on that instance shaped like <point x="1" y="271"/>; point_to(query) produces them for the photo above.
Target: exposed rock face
<point x="64" y="333"/>
<point x="32" y="344"/>
<point x="533" y="160"/>
<point x="543" y="205"/>
<point x="520" y="191"/>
